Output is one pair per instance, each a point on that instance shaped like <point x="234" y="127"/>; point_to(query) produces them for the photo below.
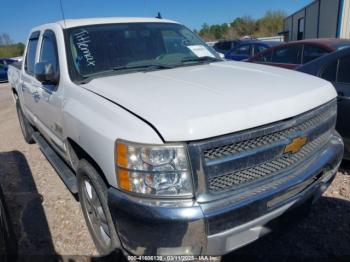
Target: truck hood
<point x="202" y="101"/>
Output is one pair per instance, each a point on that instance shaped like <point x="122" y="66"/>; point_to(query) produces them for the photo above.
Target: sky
<point x="19" y="16"/>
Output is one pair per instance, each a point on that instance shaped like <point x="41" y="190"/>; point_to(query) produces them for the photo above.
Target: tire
<point x="27" y="129"/>
<point x="92" y="192"/>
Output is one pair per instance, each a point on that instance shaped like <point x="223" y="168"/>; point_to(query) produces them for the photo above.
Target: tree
<point x="5" y="39"/>
<point x="205" y="32"/>
<point x="12" y="50"/>
<point x="271" y="23"/>
<point x="244" y="26"/>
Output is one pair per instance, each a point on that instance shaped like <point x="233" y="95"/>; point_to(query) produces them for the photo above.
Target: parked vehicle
<point x="223" y="46"/>
<point x="249" y="48"/>
<point x="293" y="54"/>
<point x="335" y="68"/>
<point x="4" y="62"/>
<point x="14" y="73"/>
<point x="171" y="149"/>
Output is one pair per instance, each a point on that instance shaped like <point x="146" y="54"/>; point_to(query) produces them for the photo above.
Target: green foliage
<point x="11" y="50"/>
<point x="244" y="25"/>
<point x="269" y="25"/>
<point x="8" y="48"/>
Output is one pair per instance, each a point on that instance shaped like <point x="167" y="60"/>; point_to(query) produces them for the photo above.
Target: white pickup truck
<point x="171" y="150"/>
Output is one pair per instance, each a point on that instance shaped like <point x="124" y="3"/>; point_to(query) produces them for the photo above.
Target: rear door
<point x="29" y="83"/>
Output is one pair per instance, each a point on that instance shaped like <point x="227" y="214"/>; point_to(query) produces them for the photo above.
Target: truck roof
<point x="68" y="23"/>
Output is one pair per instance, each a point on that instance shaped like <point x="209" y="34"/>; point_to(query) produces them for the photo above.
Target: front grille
<point x="265" y="169"/>
<point x="251" y="144"/>
<point x="238" y="160"/>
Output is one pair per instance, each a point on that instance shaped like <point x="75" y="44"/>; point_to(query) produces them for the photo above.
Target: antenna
<point x="62" y="12"/>
<point x="159" y="16"/>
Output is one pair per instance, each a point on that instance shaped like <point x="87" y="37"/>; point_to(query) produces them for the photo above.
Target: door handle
<point x="36" y="96"/>
<point x="24" y="87"/>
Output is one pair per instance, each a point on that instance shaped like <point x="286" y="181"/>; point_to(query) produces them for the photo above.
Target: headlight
<point x="155" y="170"/>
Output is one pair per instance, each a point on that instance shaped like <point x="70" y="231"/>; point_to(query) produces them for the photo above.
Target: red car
<point x="295" y="53"/>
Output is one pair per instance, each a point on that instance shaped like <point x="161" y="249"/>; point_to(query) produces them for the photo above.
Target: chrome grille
<point x="236" y="161"/>
<point x="266" y="169"/>
<point x="251" y="144"/>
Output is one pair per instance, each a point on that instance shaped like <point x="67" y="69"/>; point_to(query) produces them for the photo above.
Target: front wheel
<point x="93" y="200"/>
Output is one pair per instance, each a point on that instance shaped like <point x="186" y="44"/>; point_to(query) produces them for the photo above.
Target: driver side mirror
<point x="45" y="73"/>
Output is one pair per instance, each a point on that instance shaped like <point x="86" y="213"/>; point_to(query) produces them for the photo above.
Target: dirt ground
<point x="47" y="220"/>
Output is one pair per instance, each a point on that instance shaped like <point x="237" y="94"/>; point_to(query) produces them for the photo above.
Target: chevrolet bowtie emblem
<point x="295" y="145"/>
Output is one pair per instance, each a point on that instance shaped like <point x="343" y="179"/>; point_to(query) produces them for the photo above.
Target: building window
<point x="301" y="22"/>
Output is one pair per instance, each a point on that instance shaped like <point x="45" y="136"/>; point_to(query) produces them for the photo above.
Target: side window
<point x="48" y="51"/>
<point x="287" y="55"/>
<point x="225" y="46"/>
<point x="312" y="52"/>
<point x="258" y="49"/>
<point x="343" y="70"/>
<point x="264" y="57"/>
<point x="31" y="51"/>
<point x="243" y="50"/>
<point x="330" y="71"/>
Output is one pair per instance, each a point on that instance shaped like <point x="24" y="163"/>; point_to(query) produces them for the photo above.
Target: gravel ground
<point x="47" y="220"/>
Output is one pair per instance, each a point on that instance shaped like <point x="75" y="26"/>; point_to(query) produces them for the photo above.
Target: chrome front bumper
<point x="153" y="227"/>
<point x="244" y="234"/>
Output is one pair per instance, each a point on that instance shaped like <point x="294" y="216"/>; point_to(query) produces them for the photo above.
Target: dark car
<point x="295" y="53"/>
<point x="224" y="46"/>
<point x="249" y="48"/>
<point x="335" y="68"/>
<point x="4" y="63"/>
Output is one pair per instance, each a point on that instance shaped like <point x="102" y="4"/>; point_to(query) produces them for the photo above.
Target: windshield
<point x="97" y="49"/>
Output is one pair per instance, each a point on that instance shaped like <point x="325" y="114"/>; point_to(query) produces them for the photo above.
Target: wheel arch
<point x="76" y="153"/>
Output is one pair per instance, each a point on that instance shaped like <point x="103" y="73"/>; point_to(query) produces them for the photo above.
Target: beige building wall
<point x="345" y="24"/>
<point x="311" y="20"/>
<point x="288" y="26"/>
<point x="328" y="18"/>
<point x="296" y="17"/>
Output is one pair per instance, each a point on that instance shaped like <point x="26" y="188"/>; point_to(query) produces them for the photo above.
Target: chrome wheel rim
<point x="96" y="216"/>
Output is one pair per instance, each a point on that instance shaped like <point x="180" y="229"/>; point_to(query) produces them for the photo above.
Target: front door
<point x="50" y="114"/>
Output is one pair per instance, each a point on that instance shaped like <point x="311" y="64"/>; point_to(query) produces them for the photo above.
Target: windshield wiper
<point x="145" y="67"/>
<point x="201" y="59"/>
